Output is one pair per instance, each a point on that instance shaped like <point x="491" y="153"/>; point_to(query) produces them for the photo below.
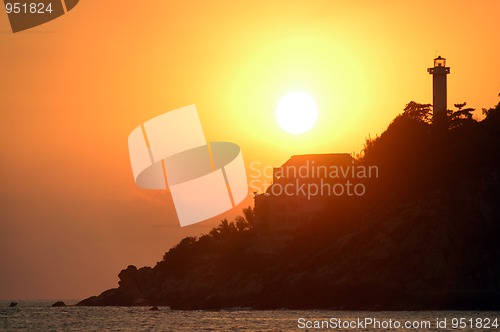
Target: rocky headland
<point x="426" y="236"/>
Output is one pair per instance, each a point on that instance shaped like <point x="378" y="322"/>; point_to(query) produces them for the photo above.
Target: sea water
<point x="40" y="316"/>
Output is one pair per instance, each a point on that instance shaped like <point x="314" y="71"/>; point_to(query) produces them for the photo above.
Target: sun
<point x="296" y="113"/>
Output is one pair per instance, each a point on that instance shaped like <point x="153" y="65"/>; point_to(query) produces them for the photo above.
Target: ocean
<point x="39" y="316"/>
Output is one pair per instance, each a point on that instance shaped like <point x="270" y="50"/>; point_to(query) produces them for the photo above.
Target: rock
<point x="212" y="302"/>
<point x="13" y="304"/>
<point x="58" y="304"/>
<point x="140" y="302"/>
<point x="91" y="301"/>
<point x="127" y="275"/>
<point x="154" y="308"/>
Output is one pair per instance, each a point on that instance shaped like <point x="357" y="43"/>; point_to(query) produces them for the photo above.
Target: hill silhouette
<point x="425" y="236"/>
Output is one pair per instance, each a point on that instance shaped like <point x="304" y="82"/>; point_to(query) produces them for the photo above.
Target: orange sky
<point x="73" y="89"/>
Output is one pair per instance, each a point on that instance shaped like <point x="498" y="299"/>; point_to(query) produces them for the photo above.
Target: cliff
<point x="427" y="236"/>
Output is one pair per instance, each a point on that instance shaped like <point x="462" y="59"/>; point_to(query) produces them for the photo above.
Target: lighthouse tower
<point x="439" y="72"/>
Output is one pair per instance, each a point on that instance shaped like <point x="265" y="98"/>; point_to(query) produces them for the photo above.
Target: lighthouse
<point x="439" y="72"/>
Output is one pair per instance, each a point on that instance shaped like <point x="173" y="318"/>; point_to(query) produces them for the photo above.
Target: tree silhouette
<point x="461" y="116"/>
<point x="417" y="111"/>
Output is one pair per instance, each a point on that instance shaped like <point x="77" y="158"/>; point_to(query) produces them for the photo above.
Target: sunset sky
<point x="73" y="89"/>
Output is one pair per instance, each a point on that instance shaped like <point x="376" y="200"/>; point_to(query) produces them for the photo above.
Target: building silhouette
<point x="286" y="203"/>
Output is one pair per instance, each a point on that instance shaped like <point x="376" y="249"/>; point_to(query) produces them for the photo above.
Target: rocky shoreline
<point x="425" y="255"/>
